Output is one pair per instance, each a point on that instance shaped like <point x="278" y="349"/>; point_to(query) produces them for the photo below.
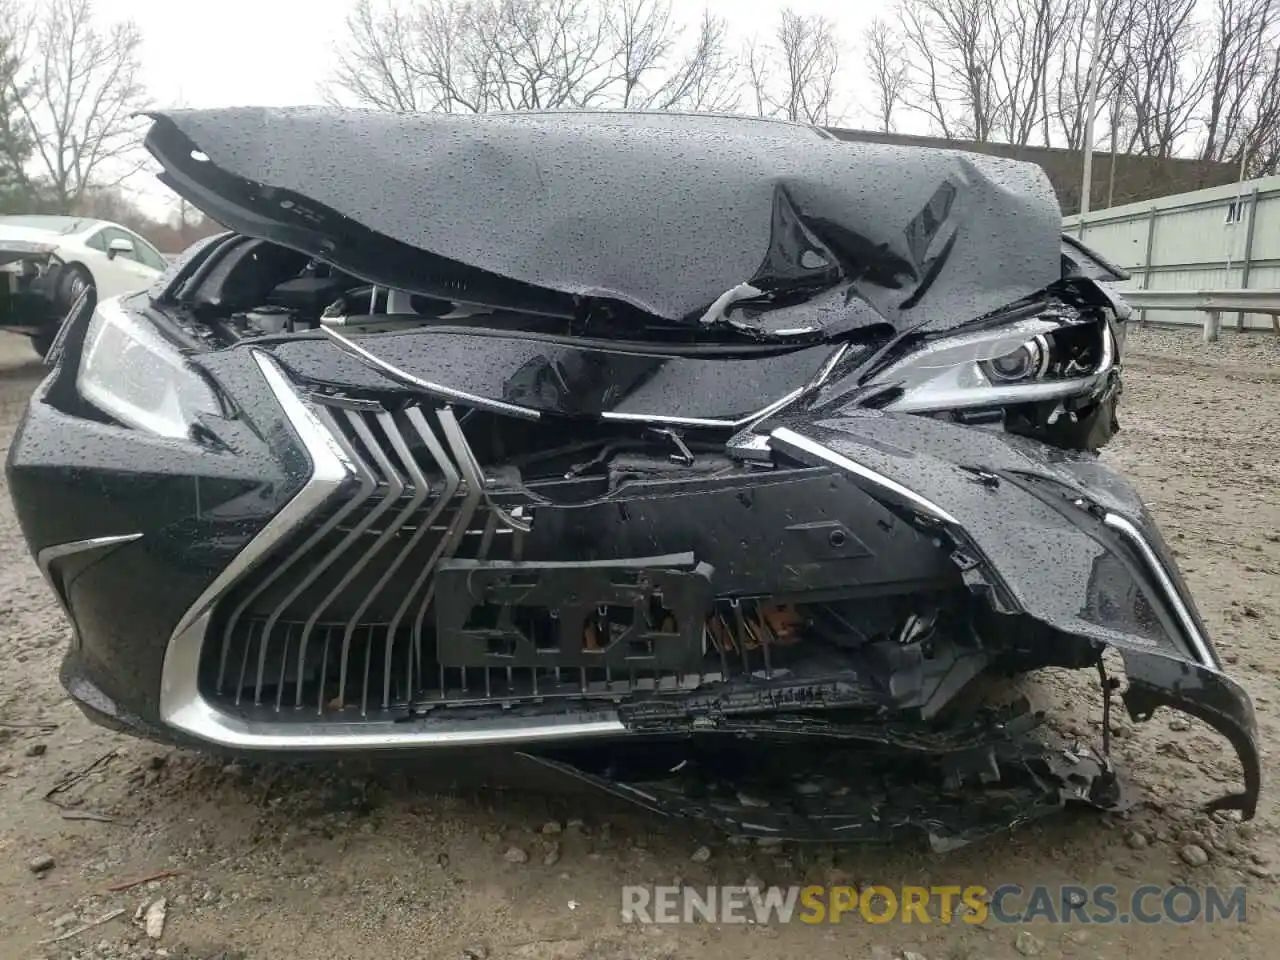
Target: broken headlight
<point x="132" y="373"/>
<point x="1043" y="358"/>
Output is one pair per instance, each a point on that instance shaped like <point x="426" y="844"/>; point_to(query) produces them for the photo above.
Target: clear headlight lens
<point x="1024" y="362"/>
<point x="131" y="373"/>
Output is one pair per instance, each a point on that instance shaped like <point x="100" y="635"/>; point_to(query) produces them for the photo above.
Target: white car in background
<point x="47" y="262"/>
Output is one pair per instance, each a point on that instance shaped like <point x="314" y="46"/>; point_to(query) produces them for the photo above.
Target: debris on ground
<point x="41" y="863"/>
<point x="153" y="917"/>
<point x="127" y="884"/>
<point x="515" y="855"/>
<point x="67" y="935"/>
<point x="1027" y="944"/>
<point x="1194" y="855"/>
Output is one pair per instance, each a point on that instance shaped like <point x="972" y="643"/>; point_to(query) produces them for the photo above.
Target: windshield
<point x="62" y="225"/>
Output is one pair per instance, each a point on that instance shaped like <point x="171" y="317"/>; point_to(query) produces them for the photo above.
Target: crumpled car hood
<point x="665" y="213"/>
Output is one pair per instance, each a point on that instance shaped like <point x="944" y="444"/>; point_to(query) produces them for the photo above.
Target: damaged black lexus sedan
<point x="525" y="431"/>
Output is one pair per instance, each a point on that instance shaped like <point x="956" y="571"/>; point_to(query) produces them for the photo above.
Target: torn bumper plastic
<point x="854" y="780"/>
<point x="1158" y="681"/>
<point x="1056" y="539"/>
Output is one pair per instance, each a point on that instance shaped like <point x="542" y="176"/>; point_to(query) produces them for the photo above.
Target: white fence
<point x="1224" y="239"/>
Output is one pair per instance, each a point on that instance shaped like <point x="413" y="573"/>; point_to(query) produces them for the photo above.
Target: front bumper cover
<point x="1054" y="539"/>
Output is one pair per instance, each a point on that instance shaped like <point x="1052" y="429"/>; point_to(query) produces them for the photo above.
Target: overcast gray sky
<point x="279" y="52"/>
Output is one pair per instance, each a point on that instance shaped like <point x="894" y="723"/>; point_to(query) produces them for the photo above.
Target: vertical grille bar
<point x="395" y="488"/>
<point x="279" y="569"/>
<point x="420" y="491"/>
<point x="367" y="486"/>
<point x="451" y="483"/>
<point x="457" y="530"/>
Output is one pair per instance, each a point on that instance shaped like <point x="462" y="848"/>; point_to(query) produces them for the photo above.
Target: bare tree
<point x="793" y="75"/>
<point x="811" y="57"/>
<point x="1079" y="43"/>
<point x="16" y="144"/>
<point x="78" y="93"/>
<point x="706" y="77"/>
<point x="1244" y="31"/>
<point x="643" y="35"/>
<point x="381" y="68"/>
<point x="485" y="55"/>
<point x="1262" y="149"/>
<point x="1164" y="80"/>
<point x="1028" y="36"/>
<point x="953" y="46"/>
<point x="755" y="61"/>
<point x="887" y="69"/>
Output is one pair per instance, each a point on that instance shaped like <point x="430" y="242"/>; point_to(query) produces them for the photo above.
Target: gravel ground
<point x="270" y="861"/>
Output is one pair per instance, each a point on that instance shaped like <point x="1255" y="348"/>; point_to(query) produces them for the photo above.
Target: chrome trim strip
<point x="228" y="731"/>
<point x="407" y="379"/>
<point x="824" y="373"/>
<point x="395" y="489"/>
<point x="750" y="418"/>
<point x="462" y="451"/>
<point x="50" y="555"/>
<point x="1197" y="639"/>
<point x="420" y="491"/>
<point x="181" y="704"/>
<point x="183" y="708"/>
<point x="329" y="468"/>
<point x="451" y="483"/>
<point x="368" y="485"/>
<point x="277" y="570"/>
<point x="473" y="487"/>
<point x="791" y="442"/>
<point x="819" y="378"/>
<point x="47" y="557"/>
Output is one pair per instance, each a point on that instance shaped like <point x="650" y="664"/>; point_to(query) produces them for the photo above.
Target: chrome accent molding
<point x="788" y="441"/>
<point x="820" y="377"/>
<point x="333" y="467"/>
<point x="1197" y="639"/>
<point x="50" y="555"/>
<point x="663" y="420"/>
<point x="181" y="704"/>
<point x="393" y="372"/>
<point x="47" y="557"/>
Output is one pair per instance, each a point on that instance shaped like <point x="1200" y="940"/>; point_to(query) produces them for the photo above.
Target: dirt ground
<point x="390" y="862"/>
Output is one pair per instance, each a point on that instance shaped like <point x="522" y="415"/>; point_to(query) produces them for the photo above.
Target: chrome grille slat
<point x="421" y="490"/>
<point x="366" y="489"/>
<point x="395" y="489"/>
<point x="473" y="486"/>
<point x="451" y="485"/>
<point x="275" y="573"/>
<point x="368" y="484"/>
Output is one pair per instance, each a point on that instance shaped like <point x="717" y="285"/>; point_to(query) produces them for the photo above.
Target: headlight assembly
<point x="1024" y="362"/>
<point x="133" y="374"/>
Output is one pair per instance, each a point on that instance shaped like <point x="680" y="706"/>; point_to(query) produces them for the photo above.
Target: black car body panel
<point x="563" y="376"/>
<point x="633" y="477"/>
<point x="579" y="205"/>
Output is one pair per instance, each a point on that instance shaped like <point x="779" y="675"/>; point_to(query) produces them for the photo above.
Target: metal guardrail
<point x="1213" y="303"/>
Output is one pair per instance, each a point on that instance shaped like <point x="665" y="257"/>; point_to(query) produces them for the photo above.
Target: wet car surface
<point x="776" y="456"/>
